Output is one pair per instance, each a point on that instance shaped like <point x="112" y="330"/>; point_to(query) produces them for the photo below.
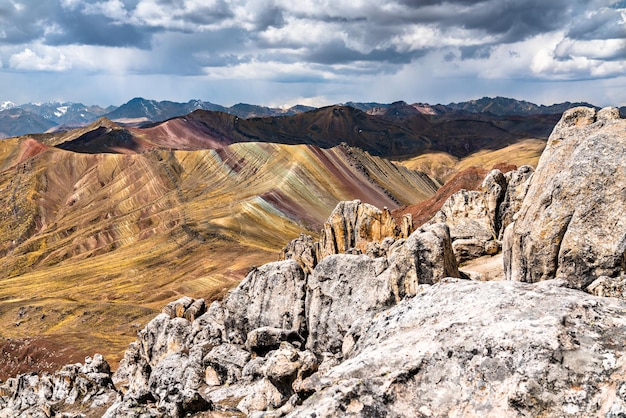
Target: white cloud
<point x="592" y="49"/>
<point x="300" y="32"/>
<point x="71" y="4"/>
<point x="40" y="57"/>
<point x="18" y="6"/>
<point x="545" y="65"/>
<point x="30" y="60"/>
<point x="190" y="15"/>
<point x="113" y="9"/>
<point x="272" y="70"/>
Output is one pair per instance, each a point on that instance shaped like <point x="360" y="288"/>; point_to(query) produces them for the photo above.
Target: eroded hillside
<point x="93" y="243"/>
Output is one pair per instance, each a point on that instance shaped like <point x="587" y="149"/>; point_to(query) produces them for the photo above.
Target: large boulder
<point x="473" y="213"/>
<point x="270" y="296"/>
<point x="71" y="390"/>
<point x="165" y="364"/>
<point x="571" y="224"/>
<point x="477" y="218"/>
<point x="352" y="225"/>
<point x="425" y="257"/>
<point x="517" y="182"/>
<point x="303" y="250"/>
<point x="344" y="287"/>
<point x="492" y="349"/>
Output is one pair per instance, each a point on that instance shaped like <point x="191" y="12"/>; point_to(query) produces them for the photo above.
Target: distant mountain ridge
<point x="15" y="121"/>
<point x="40" y="117"/>
<point x="398" y="132"/>
<point x="67" y="113"/>
<point x="505" y="106"/>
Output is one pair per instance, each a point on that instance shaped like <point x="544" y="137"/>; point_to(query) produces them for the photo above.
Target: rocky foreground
<point x="380" y="320"/>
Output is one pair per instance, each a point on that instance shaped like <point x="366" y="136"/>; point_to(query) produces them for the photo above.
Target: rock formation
<point x="75" y="387"/>
<point x="571" y="224"/>
<point x="352" y="225"/>
<point x="456" y="348"/>
<point x="382" y="330"/>
<point x="477" y="218"/>
<point x="272" y="332"/>
<point x="490" y="349"/>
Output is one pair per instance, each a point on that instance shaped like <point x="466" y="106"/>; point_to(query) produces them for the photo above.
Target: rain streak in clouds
<point x="267" y="51"/>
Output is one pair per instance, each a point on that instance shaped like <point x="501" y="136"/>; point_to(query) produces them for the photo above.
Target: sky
<point x="314" y="52"/>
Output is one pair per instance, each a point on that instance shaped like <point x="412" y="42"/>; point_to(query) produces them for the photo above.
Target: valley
<point x="106" y="223"/>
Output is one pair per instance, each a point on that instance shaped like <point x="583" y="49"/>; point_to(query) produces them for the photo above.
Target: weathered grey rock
<point x="468" y="215"/>
<point x="165" y="363"/>
<point x="613" y="287"/>
<point x="303" y="250"/>
<point x="352" y="228"/>
<point x="494" y="188"/>
<point x="263" y="395"/>
<point x="177" y="308"/>
<point x="209" y="327"/>
<point x="518" y="182"/>
<point x="270" y="296"/>
<point x="477" y="219"/>
<point x="288" y="366"/>
<point x="352" y="225"/>
<point x="282" y="371"/>
<point x="265" y="339"/>
<point x="571" y="224"/>
<point x="175" y="384"/>
<point x="342" y="288"/>
<point x="162" y="336"/>
<point x="469" y="248"/>
<point x="228" y="360"/>
<point x="194" y="310"/>
<point x="493" y="349"/>
<point x="472" y="217"/>
<point x="424" y="258"/>
<point x="74" y="388"/>
<point x="406" y="226"/>
<point x="131" y="377"/>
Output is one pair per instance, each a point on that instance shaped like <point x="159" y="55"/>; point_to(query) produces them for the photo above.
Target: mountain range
<point x="106" y="222"/>
<point x="16" y="120"/>
<point x="505" y="300"/>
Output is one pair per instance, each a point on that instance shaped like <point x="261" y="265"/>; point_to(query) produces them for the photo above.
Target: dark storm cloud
<point x="604" y="24"/>
<point x="21" y="25"/>
<point x="98" y="30"/>
<point x="53" y="24"/>
<point x="475" y="52"/>
<point x="509" y="21"/>
<point x="337" y="52"/>
<point x="270" y="17"/>
<point x="184" y="36"/>
<point x="208" y="14"/>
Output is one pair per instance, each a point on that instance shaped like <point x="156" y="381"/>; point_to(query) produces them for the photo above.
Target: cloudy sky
<point x="282" y="52"/>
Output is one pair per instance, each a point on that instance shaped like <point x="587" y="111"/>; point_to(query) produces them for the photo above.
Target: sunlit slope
<point x="92" y="244"/>
<point x="443" y="166"/>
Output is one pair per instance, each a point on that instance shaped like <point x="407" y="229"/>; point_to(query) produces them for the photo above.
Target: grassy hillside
<point x="92" y="245"/>
<point x="443" y="166"/>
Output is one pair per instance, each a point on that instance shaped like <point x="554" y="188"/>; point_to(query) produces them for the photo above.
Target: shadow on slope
<point x="394" y="135"/>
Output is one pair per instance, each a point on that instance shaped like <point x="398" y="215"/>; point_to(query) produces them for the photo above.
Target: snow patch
<point x="61" y="110"/>
<point x="7" y="105"/>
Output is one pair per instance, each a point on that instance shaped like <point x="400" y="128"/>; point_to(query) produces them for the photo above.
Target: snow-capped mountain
<point x="67" y="113"/>
<point x="7" y="105"/>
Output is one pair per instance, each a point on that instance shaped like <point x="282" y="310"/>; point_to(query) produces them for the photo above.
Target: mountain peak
<point x="7" y="105"/>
